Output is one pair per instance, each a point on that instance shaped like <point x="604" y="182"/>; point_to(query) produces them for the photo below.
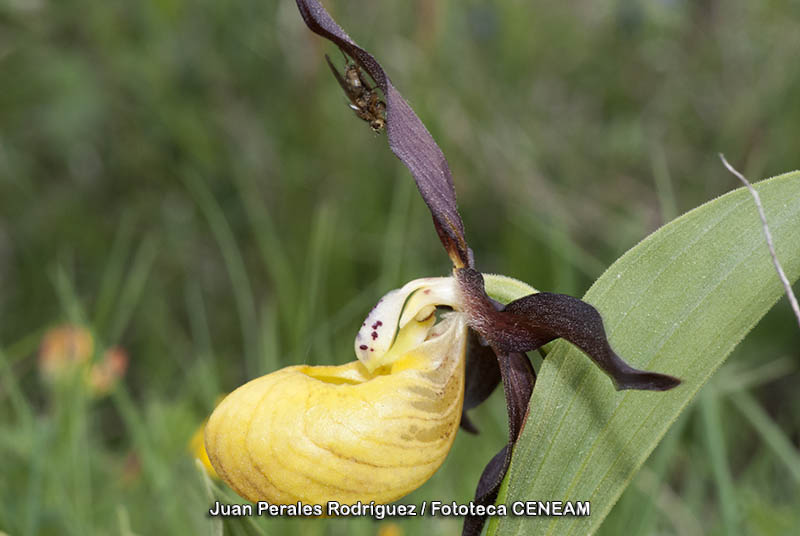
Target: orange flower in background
<point x="105" y="374"/>
<point x="64" y="350"/>
<point x="68" y="349"/>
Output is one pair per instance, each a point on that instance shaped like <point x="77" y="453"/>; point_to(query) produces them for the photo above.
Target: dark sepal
<point x="409" y="140"/>
<point x="482" y="377"/>
<point x="467" y="425"/>
<point x="518" y="380"/>
<point x="532" y="321"/>
<point x="488" y="486"/>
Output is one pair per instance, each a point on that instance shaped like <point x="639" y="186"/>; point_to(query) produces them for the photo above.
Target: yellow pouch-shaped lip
<point x="341" y="433"/>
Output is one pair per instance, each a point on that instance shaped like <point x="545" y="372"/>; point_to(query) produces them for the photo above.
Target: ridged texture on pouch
<point x="318" y="434"/>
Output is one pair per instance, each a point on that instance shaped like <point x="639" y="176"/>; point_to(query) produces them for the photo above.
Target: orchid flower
<point x="377" y="428"/>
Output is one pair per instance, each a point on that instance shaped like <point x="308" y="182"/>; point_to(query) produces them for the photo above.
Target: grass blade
<point x="718" y="459"/>
<point x="769" y="431"/>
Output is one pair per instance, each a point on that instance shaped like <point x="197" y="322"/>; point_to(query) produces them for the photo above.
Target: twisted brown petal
<point x="536" y="319"/>
<point x="518" y="380"/>
<point x="409" y="140"/>
<point x="482" y="377"/>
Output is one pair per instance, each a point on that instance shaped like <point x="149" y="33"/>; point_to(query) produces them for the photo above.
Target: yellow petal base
<point x="318" y="434"/>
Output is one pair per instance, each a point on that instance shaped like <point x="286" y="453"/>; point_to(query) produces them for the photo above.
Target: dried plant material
<point x="787" y="286"/>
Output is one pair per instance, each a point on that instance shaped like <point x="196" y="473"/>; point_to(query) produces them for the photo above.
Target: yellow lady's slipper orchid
<point x="377" y="428"/>
<point x="371" y="430"/>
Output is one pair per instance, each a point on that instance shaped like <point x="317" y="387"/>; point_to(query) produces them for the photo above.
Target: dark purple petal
<point x="467" y="425"/>
<point x="530" y="322"/>
<point x="482" y="377"/>
<point x="492" y="475"/>
<point x="518" y="380"/>
<point x="409" y="140"/>
<point x="488" y="486"/>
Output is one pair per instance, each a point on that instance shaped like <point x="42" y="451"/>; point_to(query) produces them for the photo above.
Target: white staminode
<point x="417" y="301"/>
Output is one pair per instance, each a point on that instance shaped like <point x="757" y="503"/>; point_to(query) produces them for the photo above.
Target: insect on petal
<point x="409" y="140"/>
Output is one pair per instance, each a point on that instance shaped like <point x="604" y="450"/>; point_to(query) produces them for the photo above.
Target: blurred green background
<point x="185" y="181"/>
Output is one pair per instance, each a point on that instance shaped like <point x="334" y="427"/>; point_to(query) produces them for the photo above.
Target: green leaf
<point x="677" y="303"/>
